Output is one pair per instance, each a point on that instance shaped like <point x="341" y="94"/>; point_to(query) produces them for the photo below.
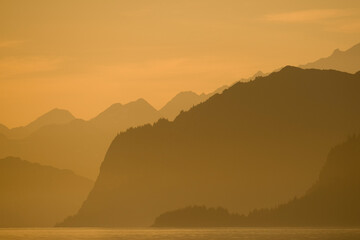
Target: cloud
<point x="308" y="15"/>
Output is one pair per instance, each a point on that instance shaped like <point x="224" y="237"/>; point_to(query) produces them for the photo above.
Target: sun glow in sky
<point x="84" y="55"/>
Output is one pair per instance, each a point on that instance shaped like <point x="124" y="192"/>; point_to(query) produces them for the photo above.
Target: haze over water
<point x="181" y="234"/>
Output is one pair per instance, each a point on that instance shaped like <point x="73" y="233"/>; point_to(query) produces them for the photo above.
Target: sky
<point x="84" y="55"/>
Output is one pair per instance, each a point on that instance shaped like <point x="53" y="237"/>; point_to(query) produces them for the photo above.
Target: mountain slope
<point x="183" y="101"/>
<point x="33" y="195"/>
<point x="332" y="201"/>
<point x="233" y="150"/>
<point x="347" y="61"/>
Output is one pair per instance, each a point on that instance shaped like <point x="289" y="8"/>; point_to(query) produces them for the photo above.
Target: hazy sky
<point x="84" y="55"/>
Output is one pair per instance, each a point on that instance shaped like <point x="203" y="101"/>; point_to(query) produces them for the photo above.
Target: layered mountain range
<point x="60" y="140"/>
<point x="346" y="61"/>
<point x="257" y="144"/>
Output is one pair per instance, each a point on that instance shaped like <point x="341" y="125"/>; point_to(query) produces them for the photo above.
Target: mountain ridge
<point x="55" y="116"/>
<point x="80" y="145"/>
<point x="347" y="61"/>
<point x="253" y="126"/>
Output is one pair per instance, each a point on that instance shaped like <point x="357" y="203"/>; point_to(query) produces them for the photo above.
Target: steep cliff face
<point x="34" y="195"/>
<point x="255" y="145"/>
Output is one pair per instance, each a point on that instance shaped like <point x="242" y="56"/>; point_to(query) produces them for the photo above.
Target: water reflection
<point x="180" y="234"/>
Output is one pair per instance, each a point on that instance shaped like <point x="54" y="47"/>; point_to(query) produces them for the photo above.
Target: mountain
<point x="255" y="145"/>
<point x="198" y="216"/>
<point x="53" y="117"/>
<point x="80" y="145"/>
<point x="332" y="201"/>
<point x="119" y="117"/>
<point x="33" y="195"/>
<point x="347" y="61"/>
<point x="183" y="101"/>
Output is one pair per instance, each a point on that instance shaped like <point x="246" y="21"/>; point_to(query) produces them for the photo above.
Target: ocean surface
<point x="179" y="234"/>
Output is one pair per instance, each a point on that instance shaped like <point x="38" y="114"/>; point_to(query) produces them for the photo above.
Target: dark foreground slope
<point x="255" y="145"/>
<point x="32" y="195"/>
<point x="198" y="216"/>
<point x="332" y="201"/>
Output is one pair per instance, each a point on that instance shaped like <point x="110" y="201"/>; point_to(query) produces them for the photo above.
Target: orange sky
<point x="85" y="55"/>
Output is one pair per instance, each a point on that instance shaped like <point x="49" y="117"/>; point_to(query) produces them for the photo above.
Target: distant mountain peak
<point x="119" y="117"/>
<point x="289" y="70"/>
<point x="355" y="47"/>
<point x="58" y="112"/>
<point x="54" y="116"/>
<point x="345" y="61"/>
<point x="185" y="94"/>
<point x="116" y="107"/>
<point x="258" y="74"/>
<point x="140" y="101"/>
<point x="337" y="51"/>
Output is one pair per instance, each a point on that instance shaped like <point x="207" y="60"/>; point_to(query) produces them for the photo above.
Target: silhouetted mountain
<point x="184" y="101"/>
<point x="4" y="130"/>
<point x="33" y="195"/>
<point x="258" y="74"/>
<point x="332" y="201"/>
<point x="81" y="145"/>
<point x="54" y="117"/>
<point x="255" y="145"/>
<point x="119" y="117"/>
<point x="198" y="216"/>
<point x="347" y="61"/>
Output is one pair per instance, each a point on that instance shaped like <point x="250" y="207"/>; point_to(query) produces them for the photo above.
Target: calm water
<point x="179" y="234"/>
